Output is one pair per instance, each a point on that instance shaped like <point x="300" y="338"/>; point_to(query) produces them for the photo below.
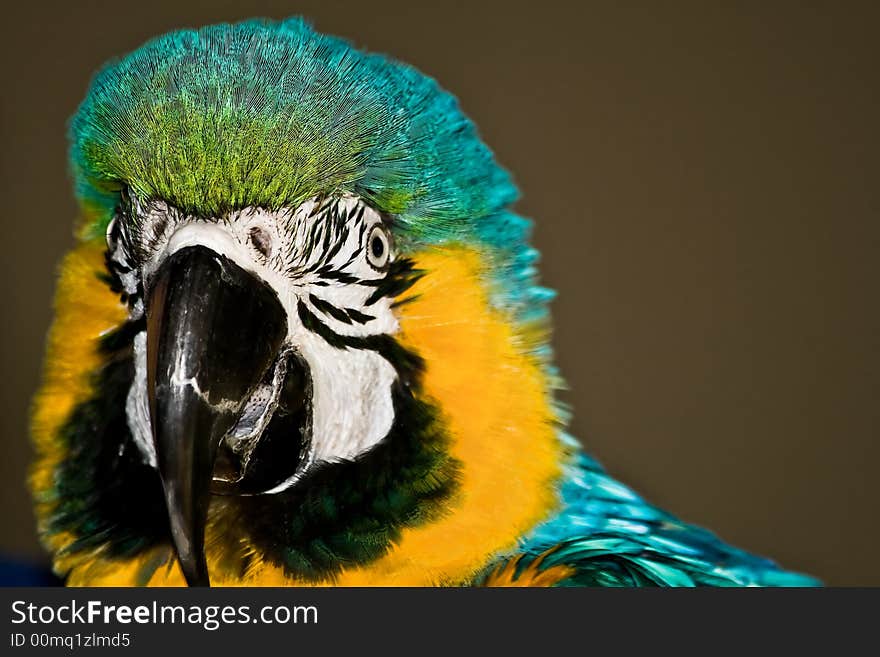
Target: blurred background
<point x="704" y="181"/>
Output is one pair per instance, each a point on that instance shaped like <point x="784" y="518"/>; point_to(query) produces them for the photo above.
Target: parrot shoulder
<point x="605" y="534"/>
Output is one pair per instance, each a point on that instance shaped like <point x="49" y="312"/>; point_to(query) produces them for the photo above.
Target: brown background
<point x="705" y="184"/>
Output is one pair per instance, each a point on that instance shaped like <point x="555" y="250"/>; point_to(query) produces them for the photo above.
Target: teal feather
<point x="610" y="536"/>
<point x="270" y="114"/>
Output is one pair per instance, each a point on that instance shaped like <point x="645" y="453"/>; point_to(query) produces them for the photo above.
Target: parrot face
<point x="300" y="340"/>
<point x="264" y="349"/>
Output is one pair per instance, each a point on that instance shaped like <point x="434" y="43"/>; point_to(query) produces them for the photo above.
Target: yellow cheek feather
<point x="84" y="310"/>
<point x="479" y="370"/>
<point x="495" y="398"/>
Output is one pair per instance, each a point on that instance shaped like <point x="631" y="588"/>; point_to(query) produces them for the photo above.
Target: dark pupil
<point x="377" y="246"/>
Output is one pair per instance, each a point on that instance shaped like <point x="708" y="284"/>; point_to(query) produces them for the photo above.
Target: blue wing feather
<point x="607" y="535"/>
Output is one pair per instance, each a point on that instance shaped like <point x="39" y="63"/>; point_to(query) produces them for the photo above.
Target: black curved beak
<point x="213" y="330"/>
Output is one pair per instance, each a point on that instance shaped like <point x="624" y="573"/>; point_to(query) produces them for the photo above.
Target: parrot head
<point x="300" y="337"/>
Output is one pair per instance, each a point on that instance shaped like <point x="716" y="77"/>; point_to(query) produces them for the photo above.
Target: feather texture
<point x="609" y="536"/>
<point x="270" y="114"/>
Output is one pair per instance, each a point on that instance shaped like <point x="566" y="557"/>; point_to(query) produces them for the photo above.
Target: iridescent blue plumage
<point x="611" y="536"/>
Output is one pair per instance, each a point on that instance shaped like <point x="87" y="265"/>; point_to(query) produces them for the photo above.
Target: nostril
<point x="261" y="240"/>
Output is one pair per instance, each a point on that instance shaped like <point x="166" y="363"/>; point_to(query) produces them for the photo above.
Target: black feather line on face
<point x="119" y="236"/>
<point x="337" y="245"/>
<point x="407" y="364"/>
<point x="327" y="272"/>
<point x="312" y="238"/>
<point x="331" y="228"/>
<point x="354" y="256"/>
<point x="401" y="276"/>
<point x="359" y="317"/>
<point x="329" y="309"/>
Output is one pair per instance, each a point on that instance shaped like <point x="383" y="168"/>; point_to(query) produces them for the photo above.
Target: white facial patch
<point x="136" y="404"/>
<point x="351" y="398"/>
<point x="325" y="261"/>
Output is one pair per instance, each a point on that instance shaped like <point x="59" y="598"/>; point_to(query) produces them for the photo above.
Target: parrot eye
<point x="378" y="247"/>
<point x="111" y="234"/>
<point x="261" y="241"/>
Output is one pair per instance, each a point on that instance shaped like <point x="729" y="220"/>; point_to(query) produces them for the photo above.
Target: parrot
<point x="301" y="341"/>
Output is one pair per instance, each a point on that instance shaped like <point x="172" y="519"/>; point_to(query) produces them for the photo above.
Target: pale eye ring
<point x="378" y="247"/>
<point x="110" y="234"/>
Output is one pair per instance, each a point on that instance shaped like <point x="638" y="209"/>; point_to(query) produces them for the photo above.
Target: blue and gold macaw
<point x="301" y="341"/>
